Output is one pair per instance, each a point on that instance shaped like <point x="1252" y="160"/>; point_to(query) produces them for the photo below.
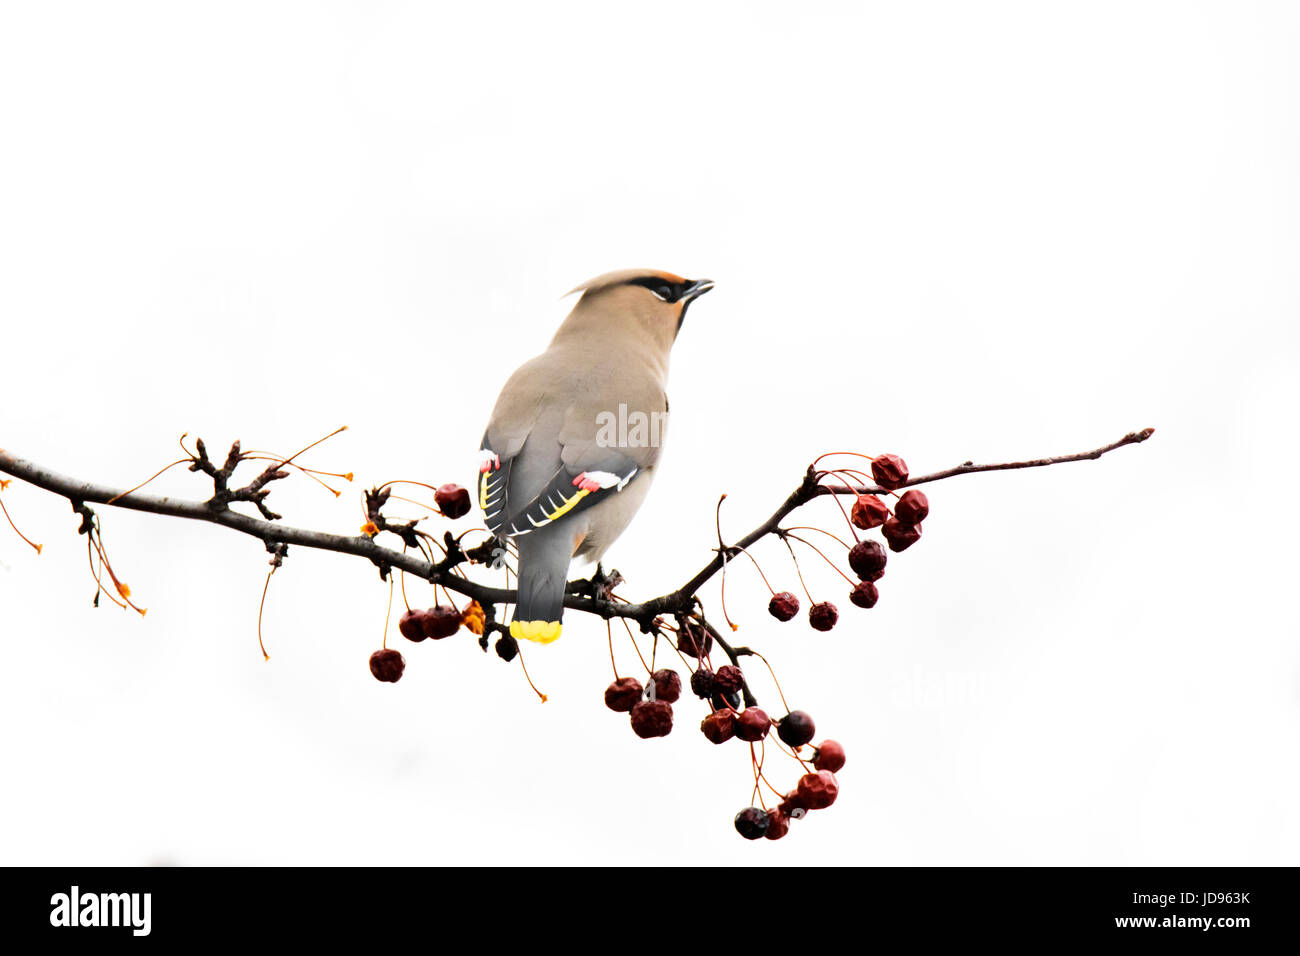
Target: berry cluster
<point x="733" y="714"/>
<point x="900" y="527"/>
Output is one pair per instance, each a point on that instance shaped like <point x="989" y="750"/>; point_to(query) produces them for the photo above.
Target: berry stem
<point x="261" y="606"/>
<point x="15" y="527"/>
<point x="852" y="583"/>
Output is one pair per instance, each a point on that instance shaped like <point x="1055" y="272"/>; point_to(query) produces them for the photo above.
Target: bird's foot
<point x="597" y="587"/>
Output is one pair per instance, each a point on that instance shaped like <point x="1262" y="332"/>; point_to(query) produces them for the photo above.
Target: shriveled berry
<point x="796" y="728"/>
<point x="792" y="805"/>
<point x="702" y="684"/>
<point x="719" y="726"/>
<point x="693" y="640"/>
<point x="868" y="512"/>
<point x="507" y="647"/>
<point x="623" y="694"/>
<point x="668" y="686"/>
<point x="752" y="823"/>
<point x="913" y="507"/>
<point x="829" y="756"/>
<point x="728" y="679"/>
<point x="412" y="625"/>
<point x="823" y="616"/>
<point x="817" y="791"/>
<point x="783" y="606"/>
<point x="441" y="621"/>
<point x="452" y="500"/>
<point x="900" y="536"/>
<point x="864" y="594"/>
<point x="752" y="724"/>
<point x="868" y="560"/>
<point x="387" y="665"/>
<point x="778" y="825"/>
<point x="652" y="718"/>
<point x="890" y="471"/>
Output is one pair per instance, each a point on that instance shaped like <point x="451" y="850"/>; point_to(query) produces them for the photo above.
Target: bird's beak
<point x="697" y="289"/>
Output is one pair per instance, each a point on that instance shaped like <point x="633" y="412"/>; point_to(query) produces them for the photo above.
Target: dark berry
<point x="783" y="606"/>
<point x="796" y="728"/>
<point x="441" y="621"/>
<point x="864" y="594"/>
<point x="387" y="665"/>
<point x="913" y="507"/>
<point x="702" y="683"/>
<point x="868" y="559"/>
<point x="693" y="640"/>
<point x="890" y="471"/>
<point x="900" y="536"/>
<point x="719" y="726"/>
<point x="817" y="791"/>
<point x="823" y="616"/>
<point x="868" y="512"/>
<point x="507" y="647"/>
<point x="452" y="500"/>
<point x="752" y="724"/>
<point x="829" y="756"/>
<point x="412" y="625"/>
<point x="752" y="823"/>
<point x="652" y="718"/>
<point x="728" y="679"/>
<point x="623" y="694"/>
<point x="668" y="686"/>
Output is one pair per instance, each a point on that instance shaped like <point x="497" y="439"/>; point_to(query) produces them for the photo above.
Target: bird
<point x="574" y="439"/>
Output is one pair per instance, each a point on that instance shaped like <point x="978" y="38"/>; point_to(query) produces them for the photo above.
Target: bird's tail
<point x="543" y="571"/>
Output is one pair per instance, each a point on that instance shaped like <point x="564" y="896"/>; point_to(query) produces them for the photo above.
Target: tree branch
<point x="446" y="572"/>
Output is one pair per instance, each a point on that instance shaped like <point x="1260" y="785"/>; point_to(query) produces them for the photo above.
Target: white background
<point x="950" y="231"/>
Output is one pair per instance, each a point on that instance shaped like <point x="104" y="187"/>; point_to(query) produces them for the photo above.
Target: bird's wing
<point x="557" y="444"/>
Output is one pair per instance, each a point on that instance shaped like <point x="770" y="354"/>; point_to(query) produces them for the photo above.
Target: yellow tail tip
<point x="539" y="632"/>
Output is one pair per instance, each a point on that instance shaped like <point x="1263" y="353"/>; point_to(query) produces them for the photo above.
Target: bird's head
<point x="647" y="299"/>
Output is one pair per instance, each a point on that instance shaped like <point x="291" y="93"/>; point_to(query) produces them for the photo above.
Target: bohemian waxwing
<point x="572" y="444"/>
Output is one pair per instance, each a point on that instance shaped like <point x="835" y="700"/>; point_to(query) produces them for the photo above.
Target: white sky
<point x="950" y="231"/>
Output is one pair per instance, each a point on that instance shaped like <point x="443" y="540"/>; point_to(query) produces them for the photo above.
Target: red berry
<point x="387" y="665"/>
<point x="778" y="825"/>
<point x="623" y="694"/>
<point x="728" y="679"/>
<point x="864" y="594"/>
<point x="668" y="686"/>
<point x="829" y="756"/>
<point x="817" y="791"/>
<point x="796" y="728"/>
<point x="868" y="559"/>
<point x="441" y="621"/>
<point x="900" y="536"/>
<point x="783" y="606"/>
<point x="693" y="640"/>
<point x="752" y="823"/>
<point x="412" y="625"/>
<point x="890" y="471"/>
<point x="868" y="512"/>
<point x="452" y="500"/>
<point x="823" y="616"/>
<point x="652" y="718"/>
<point x="702" y="685"/>
<point x="752" y="724"/>
<point x="792" y="805"/>
<point x="719" y="726"/>
<point x="913" y="507"/>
